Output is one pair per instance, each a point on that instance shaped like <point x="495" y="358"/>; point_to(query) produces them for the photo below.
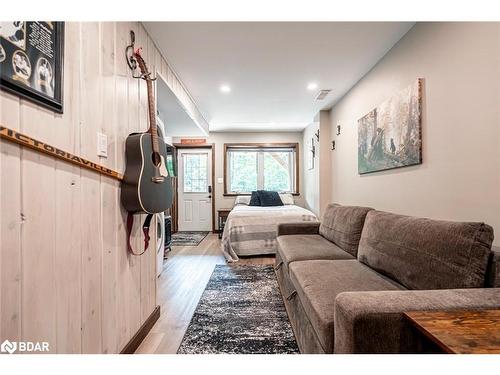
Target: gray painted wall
<point x="460" y="175"/>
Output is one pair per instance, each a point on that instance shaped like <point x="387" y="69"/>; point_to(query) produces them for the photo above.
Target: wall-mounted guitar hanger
<point x="42" y="147"/>
<point x="132" y="61"/>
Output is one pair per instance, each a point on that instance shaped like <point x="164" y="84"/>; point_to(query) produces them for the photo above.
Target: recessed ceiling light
<point x="312" y="86"/>
<point x="225" y="88"/>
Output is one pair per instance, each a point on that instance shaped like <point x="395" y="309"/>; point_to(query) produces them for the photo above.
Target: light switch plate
<point x="220" y="180"/>
<point x="102" y="145"/>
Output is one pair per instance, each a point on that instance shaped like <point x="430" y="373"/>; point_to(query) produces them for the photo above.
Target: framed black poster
<point x="31" y="61"/>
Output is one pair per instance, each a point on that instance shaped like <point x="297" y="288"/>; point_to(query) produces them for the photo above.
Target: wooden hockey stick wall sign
<point x="26" y="141"/>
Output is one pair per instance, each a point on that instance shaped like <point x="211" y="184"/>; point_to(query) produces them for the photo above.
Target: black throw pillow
<point x="254" y="199"/>
<point x="269" y="198"/>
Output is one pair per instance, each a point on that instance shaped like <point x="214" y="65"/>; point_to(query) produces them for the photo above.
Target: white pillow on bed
<point x="242" y="199"/>
<point x="287" y="198"/>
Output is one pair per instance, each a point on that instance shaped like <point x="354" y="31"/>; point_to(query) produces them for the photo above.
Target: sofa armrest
<point x="373" y="322"/>
<point x="298" y="228"/>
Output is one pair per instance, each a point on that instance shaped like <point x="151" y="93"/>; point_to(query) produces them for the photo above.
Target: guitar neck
<point x="153" y="130"/>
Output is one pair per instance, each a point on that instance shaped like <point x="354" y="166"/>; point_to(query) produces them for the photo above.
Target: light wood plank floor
<point x="180" y="286"/>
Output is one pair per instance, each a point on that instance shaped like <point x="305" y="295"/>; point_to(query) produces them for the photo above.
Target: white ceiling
<point x="174" y="116"/>
<point x="268" y="66"/>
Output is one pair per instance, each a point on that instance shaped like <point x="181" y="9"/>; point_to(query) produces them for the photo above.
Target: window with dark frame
<point x="257" y="166"/>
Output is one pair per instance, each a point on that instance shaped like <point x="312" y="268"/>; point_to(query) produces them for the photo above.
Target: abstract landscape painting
<point x="389" y="136"/>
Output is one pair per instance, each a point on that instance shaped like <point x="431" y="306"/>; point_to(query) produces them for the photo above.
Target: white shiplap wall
<point x="65" y="274"/>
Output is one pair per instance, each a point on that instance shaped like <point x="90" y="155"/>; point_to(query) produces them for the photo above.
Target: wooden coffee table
<point x="460" y="332"/>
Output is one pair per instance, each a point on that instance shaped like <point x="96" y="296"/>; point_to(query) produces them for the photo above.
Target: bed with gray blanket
<point x="251" y="230"/>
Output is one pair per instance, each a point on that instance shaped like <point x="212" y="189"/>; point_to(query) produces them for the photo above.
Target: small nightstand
<point x="222" y="218"/>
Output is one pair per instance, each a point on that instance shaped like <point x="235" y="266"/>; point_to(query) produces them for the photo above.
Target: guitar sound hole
<point x="155" y="157"/>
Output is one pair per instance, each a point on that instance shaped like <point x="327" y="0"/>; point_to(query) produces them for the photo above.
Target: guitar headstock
<point x="145" y="74"/>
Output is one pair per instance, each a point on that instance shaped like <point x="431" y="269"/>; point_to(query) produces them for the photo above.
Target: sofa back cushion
<point x="342" y="225"/>
<point x="426" y="254"/>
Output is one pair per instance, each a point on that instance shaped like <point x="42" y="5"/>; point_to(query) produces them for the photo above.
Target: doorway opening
<point x="194" y="204"/>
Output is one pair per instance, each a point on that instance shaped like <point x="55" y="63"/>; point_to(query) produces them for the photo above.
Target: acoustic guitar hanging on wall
<point x="147" y="185"/>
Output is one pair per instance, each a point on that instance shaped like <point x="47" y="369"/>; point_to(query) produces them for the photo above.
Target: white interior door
<point x="195" y="189"/>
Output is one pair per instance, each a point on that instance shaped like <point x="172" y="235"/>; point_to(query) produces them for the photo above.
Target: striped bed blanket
<point x="251" y="230"/>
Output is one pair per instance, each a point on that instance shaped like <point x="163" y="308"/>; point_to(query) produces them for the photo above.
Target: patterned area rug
<point x="240" y="312"/>
<point x="188" y="238"/>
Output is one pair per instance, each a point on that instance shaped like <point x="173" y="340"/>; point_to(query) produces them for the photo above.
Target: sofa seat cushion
<point x="298" y="247"/>
<point x="342" y="225"/>
<point x="318" y="282"/>
<point x="426" y="254"/>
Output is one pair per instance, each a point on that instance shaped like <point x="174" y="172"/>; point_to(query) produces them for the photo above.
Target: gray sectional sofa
<point x="347" y="281"/>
